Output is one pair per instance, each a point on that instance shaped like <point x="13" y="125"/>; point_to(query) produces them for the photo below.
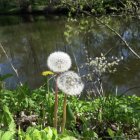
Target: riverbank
<point x="40" y="10"/>
<point x="97" y="8"/>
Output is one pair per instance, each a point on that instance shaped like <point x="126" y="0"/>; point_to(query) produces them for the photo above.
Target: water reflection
<point x="29" y="43"/>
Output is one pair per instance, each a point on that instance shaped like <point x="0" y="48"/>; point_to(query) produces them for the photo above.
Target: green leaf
<point x="70" y="116"/>
<point x="68" y="138"/>
<point x="49" y="133"/>
<point x="3" y="77"/>
<point x="43" y="134"/>
<point x="7" y="136"/>
<point x="36" y="135"/>
<point x="28" y="137"/>
<point x="9" y="118"/>
<point x="1" y="133"/>
<point x="110" y="132"/>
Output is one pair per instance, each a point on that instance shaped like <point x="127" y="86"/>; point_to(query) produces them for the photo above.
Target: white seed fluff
<point x="59" y="62"/>
<point x="70" y="83"/>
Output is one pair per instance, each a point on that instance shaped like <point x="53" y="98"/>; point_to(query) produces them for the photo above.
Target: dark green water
<point x="29" y="40"/>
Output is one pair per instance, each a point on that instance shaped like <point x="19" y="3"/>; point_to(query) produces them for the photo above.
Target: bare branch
<point x="114" y="31"/>
<point x="14" y="69"/>
<point x="132" y="88"/>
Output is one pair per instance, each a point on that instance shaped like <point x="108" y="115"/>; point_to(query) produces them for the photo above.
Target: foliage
<point x="7" y="121"/>
<point x="94" y="6"/>
<point x="47" y="133"/>
<point x="120" y="114"/>
<point x="2" y="78"/>
<point x="28" y="114"/>
<point x="96" y="67"/>
<point x="33" y="133"/>
<point x="102" y="6"/>
<point x="103" y="117"/>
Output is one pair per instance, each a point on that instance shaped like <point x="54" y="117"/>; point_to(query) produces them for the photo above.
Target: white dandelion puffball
<point x="70" y="83"/>
<point x="59" y="62"/>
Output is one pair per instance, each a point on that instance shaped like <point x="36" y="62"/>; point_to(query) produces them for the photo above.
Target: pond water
<point x="29" y="40"/>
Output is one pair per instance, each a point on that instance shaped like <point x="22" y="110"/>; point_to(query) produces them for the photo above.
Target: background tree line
<point x="95" y="6"/>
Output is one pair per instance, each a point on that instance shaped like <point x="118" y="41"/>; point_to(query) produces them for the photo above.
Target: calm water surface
<point x="28" y="42"/>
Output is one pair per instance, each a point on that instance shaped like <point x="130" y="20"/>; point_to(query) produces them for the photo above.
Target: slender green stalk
<point x="56" y="105"/>
<point x="49" y="101"/>
<point x="64" y="113"/>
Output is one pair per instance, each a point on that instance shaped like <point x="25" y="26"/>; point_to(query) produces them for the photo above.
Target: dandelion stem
<point x="64" y="113"/>
<point x="56" y="105"/>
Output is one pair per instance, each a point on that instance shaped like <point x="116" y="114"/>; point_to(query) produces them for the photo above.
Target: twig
<point x="114" y="31"/>
<point x="15" y="70"/>
<point x="116" y="90"/>
<point x="97" y="89"/>
<point x="129" y="90"/>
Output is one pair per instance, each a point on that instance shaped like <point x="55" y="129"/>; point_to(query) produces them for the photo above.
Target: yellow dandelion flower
<point x="46" y="73"/>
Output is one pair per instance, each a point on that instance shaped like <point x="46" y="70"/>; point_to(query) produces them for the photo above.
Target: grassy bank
<point x="28" y="114"/>
<point x="63" y="6"/>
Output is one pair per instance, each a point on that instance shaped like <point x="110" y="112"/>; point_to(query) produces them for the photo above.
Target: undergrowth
<point x="27" y="114"/>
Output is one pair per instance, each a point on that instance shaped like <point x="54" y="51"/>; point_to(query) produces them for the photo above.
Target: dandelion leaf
<point x="7" y="136"/>
<point x="70" y="114"/>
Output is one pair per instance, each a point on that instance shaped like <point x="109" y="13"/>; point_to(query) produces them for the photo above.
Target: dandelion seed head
<point x="59" y="62"/>
<point x="70" y="83"/>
